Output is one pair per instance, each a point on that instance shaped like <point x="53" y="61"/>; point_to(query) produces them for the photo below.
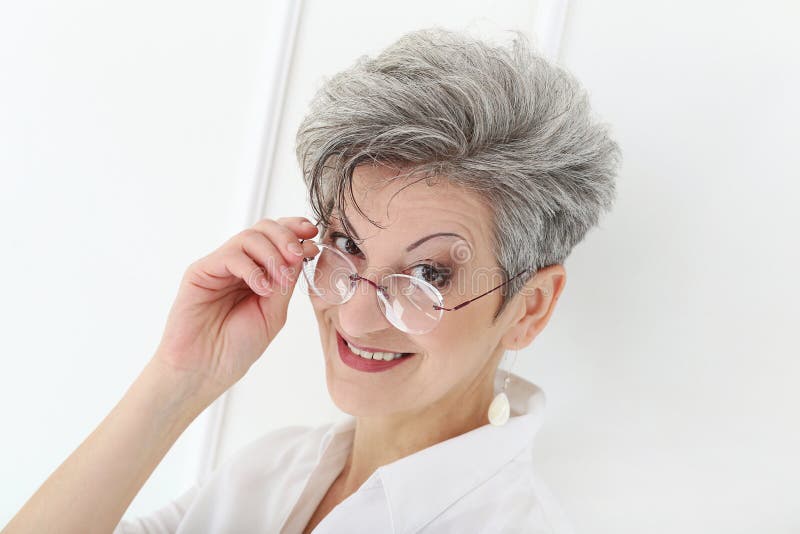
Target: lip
<point x="362" y="364"/>
<point x="368" y="349"/>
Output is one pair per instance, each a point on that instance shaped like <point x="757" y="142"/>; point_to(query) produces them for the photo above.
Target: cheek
<point x="464" y="333"/>
<point x="451" y="339"/>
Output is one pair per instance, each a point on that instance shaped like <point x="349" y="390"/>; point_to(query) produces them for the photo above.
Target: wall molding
<point x="217" y="412"/>
<point x="548" y="26"/>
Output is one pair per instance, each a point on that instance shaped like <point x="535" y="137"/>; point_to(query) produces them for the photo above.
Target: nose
<point x="361" y="315"/>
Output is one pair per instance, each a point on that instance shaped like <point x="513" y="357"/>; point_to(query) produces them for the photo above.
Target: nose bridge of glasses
<point x="378" y="300"/>
<point x="355" y="277"/>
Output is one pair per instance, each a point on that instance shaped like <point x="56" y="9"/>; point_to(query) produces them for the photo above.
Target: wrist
<point x="182" y="393"/>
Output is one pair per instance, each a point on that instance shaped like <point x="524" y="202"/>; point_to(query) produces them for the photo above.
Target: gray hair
<point x="502" y="122"/>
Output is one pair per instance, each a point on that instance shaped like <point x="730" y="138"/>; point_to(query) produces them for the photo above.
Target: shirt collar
<point x="441" y="467"/>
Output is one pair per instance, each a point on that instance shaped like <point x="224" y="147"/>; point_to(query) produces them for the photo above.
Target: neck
<point x="380" y="440"/>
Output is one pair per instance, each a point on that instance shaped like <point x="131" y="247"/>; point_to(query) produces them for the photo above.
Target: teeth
<point x="374" y="355"/>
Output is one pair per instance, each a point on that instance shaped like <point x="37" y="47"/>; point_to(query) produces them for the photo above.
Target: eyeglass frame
<point x="354" y="277"/>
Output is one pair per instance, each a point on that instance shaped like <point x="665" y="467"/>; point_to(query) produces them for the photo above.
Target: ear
<point x="533" y="306"/>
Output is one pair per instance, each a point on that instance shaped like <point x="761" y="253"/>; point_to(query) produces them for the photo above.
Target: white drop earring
<point x="500" y="408"/>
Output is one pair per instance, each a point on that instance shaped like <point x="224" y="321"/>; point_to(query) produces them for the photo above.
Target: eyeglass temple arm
<point x="435" y="307"/>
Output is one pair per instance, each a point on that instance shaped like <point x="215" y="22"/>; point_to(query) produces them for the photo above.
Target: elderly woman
<point x="449" y="180"/>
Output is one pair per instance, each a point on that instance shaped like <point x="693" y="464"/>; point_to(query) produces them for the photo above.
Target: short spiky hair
<point x="503" y="122"/>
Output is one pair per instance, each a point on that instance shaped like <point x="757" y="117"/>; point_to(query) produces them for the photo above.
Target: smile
<point x="363" y="360"/>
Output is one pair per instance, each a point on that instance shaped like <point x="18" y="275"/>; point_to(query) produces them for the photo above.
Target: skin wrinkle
<point x="412" y="246"/>
<point x="458" y="280"/>
<point x="446" y="388"/>
<point x="437" y="259"/>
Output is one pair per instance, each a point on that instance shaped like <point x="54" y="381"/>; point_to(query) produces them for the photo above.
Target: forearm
<point x="92" y="488"/>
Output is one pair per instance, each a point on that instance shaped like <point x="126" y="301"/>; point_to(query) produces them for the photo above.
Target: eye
<point x="436" y="275"/>
<point x="349" y="246"/>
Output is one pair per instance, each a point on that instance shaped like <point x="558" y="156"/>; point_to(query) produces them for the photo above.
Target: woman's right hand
<point x="233" y="302"/>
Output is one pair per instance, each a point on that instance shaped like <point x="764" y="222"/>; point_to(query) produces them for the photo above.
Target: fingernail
<point x="295" y="249"/>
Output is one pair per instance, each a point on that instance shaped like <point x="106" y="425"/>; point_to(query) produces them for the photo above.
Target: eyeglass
<point x="409" y="303"/>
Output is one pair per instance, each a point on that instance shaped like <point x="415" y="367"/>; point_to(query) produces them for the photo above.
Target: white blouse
<point x="481" y="481"/>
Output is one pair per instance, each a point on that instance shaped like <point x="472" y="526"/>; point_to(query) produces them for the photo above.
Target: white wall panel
<point x="673" y="358"/>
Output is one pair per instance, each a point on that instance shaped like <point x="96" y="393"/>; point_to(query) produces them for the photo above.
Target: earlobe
<point x="512" y="344"/>
<point x="537" y="309"/>
<point x="511" y="339"/>
<point x="530" y="330"/>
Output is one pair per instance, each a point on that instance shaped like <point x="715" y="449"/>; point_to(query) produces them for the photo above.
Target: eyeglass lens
<point x="407" y="302"/>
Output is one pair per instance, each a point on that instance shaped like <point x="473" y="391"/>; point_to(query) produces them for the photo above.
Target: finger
<point x="261" y="250"/>
<point x="304" y="228"/>
<point x="283" y="237"/>
<point x="242" y="266"/>
<point x="310" y="249"/>
<point x="296" y="221"/>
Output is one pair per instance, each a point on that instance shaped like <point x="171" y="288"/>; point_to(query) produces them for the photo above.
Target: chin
<point x="359" y="400"/>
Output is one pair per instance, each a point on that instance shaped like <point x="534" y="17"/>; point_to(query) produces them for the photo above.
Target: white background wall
<point x="131" y="139"/>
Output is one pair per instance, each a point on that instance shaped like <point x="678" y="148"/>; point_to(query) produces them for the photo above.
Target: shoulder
<point x="514" y="500"/>
<point x="285" y="438"/>
<point x="262" y="475"/>
<point x="277" y="448"/>
<point x="250" y="490"/>
<point x="529" y="500"/>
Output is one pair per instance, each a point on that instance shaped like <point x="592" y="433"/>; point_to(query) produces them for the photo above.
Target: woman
<point x="450" y="179"/>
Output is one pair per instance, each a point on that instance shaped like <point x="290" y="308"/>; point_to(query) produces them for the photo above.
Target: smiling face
<point x="454" y="363"/>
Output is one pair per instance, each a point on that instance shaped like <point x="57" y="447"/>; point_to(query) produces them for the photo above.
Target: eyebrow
<point x="413" y="245"/>
<point x="417" y="243"/>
